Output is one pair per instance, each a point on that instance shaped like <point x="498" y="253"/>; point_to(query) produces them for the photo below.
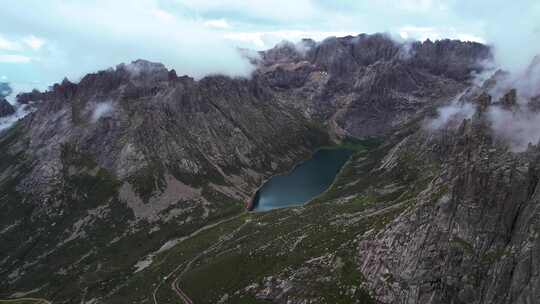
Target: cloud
<point x="218" y="24"/>
<point x="34" y="42"/>
<point x="433" y="33"/>
<point x="85" y="36"/>
<point x="8" y="45"/>
<point x="276" y="11"/>
<point x="8" y="58"/>
<point x="101" y="109"/>
<point x="518" y="129"/>
<point x="200" y="37"/>
<point x="267" y="39"/>
<point x="19" y="45"/>
<point x="453" y="114"/>
<point x="512" y="28"/>
<point x="416" y="5"/>
<point x="20" y="112"/>
<point x="163" y="15"/>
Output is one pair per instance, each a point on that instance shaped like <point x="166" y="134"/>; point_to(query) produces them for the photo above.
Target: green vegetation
<point x="148" y="180"/>
<point x="280" y="243"/>
<point x="494" y="255"/>
<point x="313" y="247"/>
<point x="462" y="244"/>
<point x="356" y="144"/>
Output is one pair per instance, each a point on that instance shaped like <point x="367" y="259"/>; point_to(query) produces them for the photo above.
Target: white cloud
<point x="276" y="10"/>
<point x="433" y="33"/>
<point x="163" y="15"/>
<point x="111" y="32"/>
<point x="20" y="44"/>
<point x="102" y="109"/>
<point x="511" y="27"/>
<point x="34" y="42"/>
<point x="9" y="58"/>
<point x="20" y="112"/>
<point x="265" y="40"/>
<point x="9" y="45"/>
<point x="415" y="5"/>
<point x="217" y="24"/>
<point x="199" y="37"/>
<point x="518" y="129"/>
<point x="452" y="114"/>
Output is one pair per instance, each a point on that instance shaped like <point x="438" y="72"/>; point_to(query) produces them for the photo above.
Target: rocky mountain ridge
<point x="108" y="171"/>
<point x="471" y="234"/>
<point x="6" y="108"/>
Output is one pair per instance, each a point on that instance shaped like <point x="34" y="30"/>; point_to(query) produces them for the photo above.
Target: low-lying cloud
<point x="452" y="115"/>
<point x="20" y="112"/>
<point x="516" y="125"/>
<point x="517" y="129"/>
<point x="102" y="109"/>
<point x="526" y="81"/>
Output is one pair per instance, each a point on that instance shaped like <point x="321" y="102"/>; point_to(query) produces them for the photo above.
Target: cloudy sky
<point x="43" y="41"/>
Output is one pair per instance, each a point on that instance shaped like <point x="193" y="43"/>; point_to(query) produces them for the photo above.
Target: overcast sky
<point x="43" y="41"/>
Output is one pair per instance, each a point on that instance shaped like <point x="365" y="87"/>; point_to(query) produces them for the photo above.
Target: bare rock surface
<point x="6" y="108"/>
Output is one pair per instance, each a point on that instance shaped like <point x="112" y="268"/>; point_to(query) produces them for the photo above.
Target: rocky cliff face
<point x="6" y="108"/>
<point x="132" y="152"/>
<point x="363" y="86"/>
<point x="111" y="171"/>
<point x="471" y="234"/>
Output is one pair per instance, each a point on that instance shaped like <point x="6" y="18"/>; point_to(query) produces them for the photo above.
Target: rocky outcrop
<point x="364" y="86"/>
<point x="6" y="108"/>
<point x="470" y="236"/>
<point x="135" y="148"/>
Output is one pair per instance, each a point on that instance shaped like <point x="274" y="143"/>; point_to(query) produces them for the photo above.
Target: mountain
<point x="6" y="108"/>
<point x="134" y="180"/>
<point x="469" y="235"/>
<point x="363" y="86"/>
<point x="109" y="169"/>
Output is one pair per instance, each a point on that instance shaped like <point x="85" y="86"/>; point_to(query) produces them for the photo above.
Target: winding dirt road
<point x="174" y="284"/>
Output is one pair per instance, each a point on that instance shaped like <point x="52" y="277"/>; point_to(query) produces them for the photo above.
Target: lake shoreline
<point x="306" y="180"/>
<point x="250" y="206"/>
<point x="352" y="144"/>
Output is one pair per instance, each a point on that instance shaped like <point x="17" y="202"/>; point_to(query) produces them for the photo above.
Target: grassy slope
<point x="229" y="257"/>
<point x="98" y="264"/>
<point x="251" y="246"/>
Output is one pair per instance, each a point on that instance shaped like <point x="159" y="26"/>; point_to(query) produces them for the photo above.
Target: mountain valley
<point x="132" y="185"/>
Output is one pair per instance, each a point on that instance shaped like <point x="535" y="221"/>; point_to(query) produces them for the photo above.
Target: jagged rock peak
<point x="25" y="98"/>
<point x="6" y="108"/>
<point x="143" y="68"/>
<point x="483" y="102"/>
<point x="342" y="55"/>
<point x="139" y="73"/>
<point x="509" y="100"/>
